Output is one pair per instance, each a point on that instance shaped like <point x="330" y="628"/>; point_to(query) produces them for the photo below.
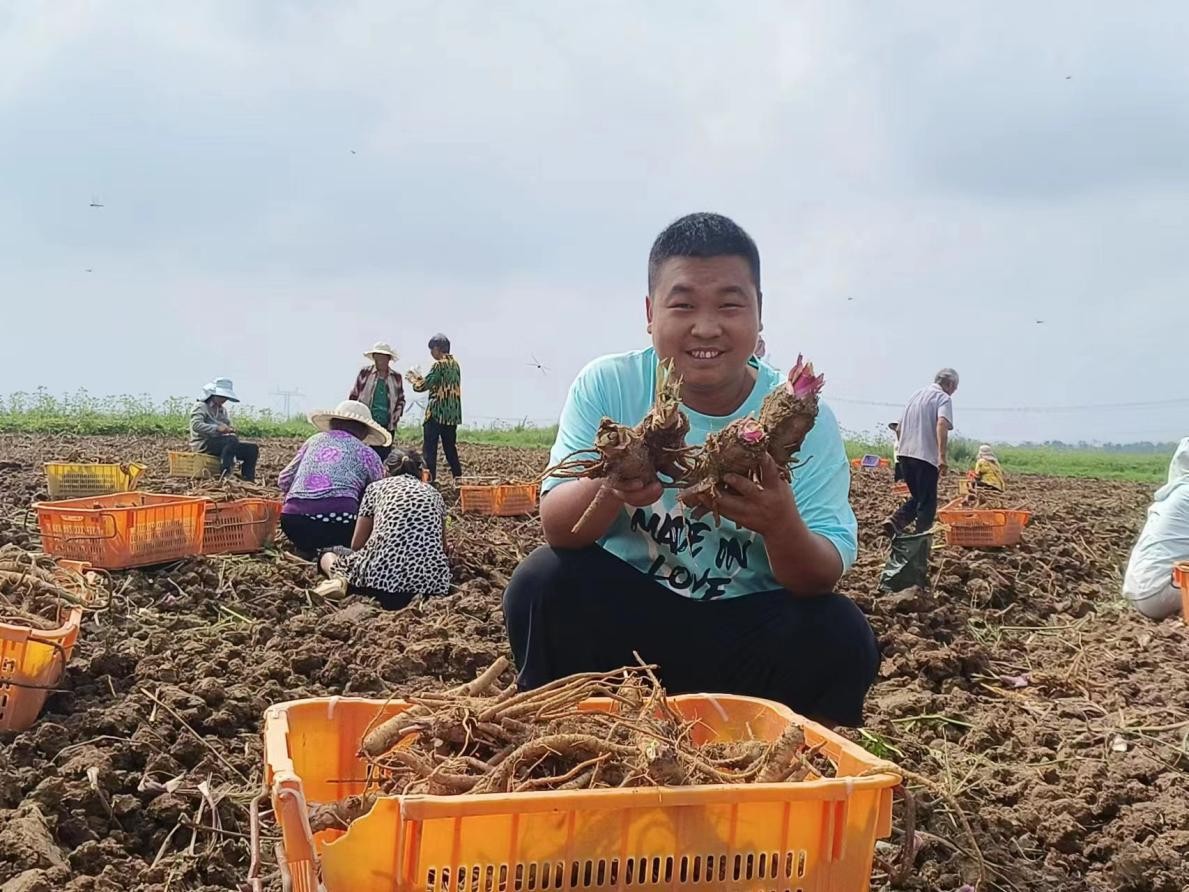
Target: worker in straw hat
<point x="326" y="479"/>
<point x="379" y="387"/>
<point x="211" y="432"/>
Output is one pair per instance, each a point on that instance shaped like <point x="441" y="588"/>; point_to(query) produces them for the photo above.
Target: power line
<point x="288" y="396"/>
<point x="962" y="407"/>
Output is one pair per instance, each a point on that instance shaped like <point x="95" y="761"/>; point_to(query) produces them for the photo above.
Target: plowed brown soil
<point x="1018" y="682"/>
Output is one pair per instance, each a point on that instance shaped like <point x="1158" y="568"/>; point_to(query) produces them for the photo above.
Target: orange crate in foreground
<point x="33" y="660"/>
<point x="1180" y="576"/>
<point x="478" y="496"/>
<point x="241" y="526"/>
<point x="982" y="527"/>
<point x="817" y="835"/>
<point x="131" y="529"/>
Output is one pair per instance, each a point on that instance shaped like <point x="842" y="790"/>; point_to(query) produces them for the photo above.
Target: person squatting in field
<point x="1162" y="543"/>
<point x="742" y="607"/>
<point x="398" y="550"/>
<point x="211" y="432"/>
<point x="324" y="482"/>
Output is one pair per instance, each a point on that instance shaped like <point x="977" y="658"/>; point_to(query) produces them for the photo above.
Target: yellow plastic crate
<point x="814" y="836"/>
<point x="194" y="464"/>
<point x="76" y="480"/>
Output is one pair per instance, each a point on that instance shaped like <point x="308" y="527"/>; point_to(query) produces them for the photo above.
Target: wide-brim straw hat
<point x="383" y="349"/>
<point x="352" y="410"/>
<point x="220" y="387"/>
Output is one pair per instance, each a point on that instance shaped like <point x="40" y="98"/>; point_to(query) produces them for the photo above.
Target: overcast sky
<point x="284" y="183"/>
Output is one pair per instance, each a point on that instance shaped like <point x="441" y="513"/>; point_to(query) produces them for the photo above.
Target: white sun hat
<point x="381" y="347"/>
<point x="220" y="387"/>
<point x="352" y="410"/>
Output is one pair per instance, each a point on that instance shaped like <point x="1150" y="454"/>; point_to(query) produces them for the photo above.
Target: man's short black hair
<point x="441" y="342"/>
<point x="703" y="235"/>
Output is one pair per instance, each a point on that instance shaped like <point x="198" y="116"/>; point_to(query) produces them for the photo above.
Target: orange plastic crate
<point x="502" y="500"/>
<point x="982" y="527"/>
<point x="1180" y="576"/>
<point x="816" y="835"/>
<point x="900" y="489"/>
<point x="240" y="527"/>
<point x="32" y="660"/>
<point x="131" y="529"/>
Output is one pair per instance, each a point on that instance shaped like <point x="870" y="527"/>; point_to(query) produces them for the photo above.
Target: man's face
<point x="437" y="352"/>
<point x="381" y="360"/>
<point x="704" y="314"/>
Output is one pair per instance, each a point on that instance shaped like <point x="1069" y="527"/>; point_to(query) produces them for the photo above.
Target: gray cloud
<point x="512" y="165"/>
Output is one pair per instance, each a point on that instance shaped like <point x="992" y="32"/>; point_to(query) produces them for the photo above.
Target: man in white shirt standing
<point x="923" y="445"/>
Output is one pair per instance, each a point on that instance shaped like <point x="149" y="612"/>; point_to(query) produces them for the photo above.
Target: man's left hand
<point x="760" y="507"/>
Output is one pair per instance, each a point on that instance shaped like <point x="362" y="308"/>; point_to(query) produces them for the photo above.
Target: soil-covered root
<point x="34" y="588"/>
<point x="789" y="413"/>
<point x="653" y="449"/>
<point x="738" y="448"/>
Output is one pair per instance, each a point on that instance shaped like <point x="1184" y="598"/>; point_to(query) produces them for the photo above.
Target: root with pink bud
<point x="787" y="415"/>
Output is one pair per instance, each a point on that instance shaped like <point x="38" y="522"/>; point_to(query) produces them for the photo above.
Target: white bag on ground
<point x="1163" y="542"/>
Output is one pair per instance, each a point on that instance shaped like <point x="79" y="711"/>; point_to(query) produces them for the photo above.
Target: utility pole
<point x="288" y="396"/>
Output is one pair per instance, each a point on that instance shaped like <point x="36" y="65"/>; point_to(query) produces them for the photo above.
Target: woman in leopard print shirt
<point x="399" y="547"/>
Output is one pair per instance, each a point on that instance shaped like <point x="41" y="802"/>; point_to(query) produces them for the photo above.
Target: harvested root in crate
<point x="480" y="738"/>
<point x="654" y="447"/>
<point x="786" y="416"/>
<point x="33" y="587"/>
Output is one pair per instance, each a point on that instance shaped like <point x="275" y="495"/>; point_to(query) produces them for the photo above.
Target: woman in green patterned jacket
<point x="443" y="408"/>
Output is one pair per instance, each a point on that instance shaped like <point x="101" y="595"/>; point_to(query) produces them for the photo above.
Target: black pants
<point x="586" y="610"/>
<point x="229" y="449"/>
<point x="309" y="535"/>
<point x="921" y="478"/>
<point x="433" y="431"/>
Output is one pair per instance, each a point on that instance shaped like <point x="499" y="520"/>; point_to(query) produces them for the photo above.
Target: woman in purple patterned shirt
<point x="326" y="479"/>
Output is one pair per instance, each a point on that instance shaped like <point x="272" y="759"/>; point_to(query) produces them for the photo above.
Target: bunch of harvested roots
<point x="653" y="448"/>
<point x="479" y="739"/>
<point x="217" y="489"/>
<point x="33" y="588"/>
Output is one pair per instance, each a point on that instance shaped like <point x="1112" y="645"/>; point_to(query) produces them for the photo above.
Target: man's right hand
<point x="943" y="469"/>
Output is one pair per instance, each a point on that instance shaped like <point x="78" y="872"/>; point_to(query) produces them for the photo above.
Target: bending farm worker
<point x="379" y="387"/>
<point x="443" y="408"/>
<point x="211" y="432"/>
<point x="922" y="444"/>
<point x="746" y="606"/>
<point x="987" y="471"/>
<point x="324" y="482"/>
<point x="1163" y="542"/>
<point x="398" y="550"/>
